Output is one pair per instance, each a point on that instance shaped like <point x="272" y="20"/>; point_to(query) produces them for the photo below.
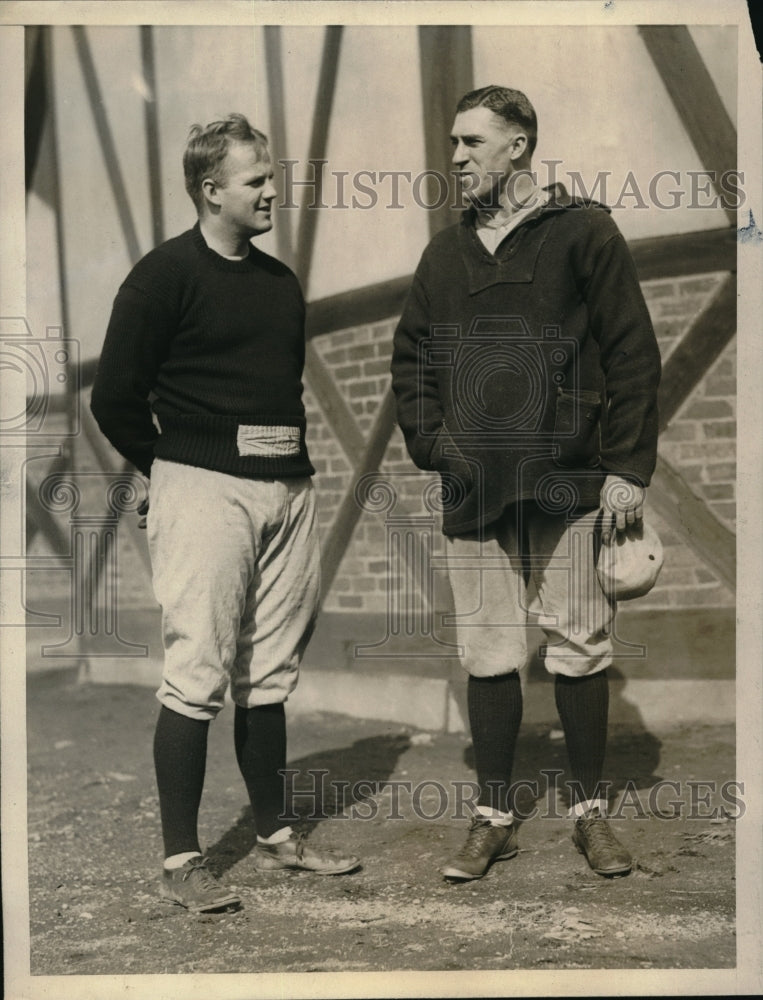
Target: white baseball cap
<point x="629" y="565"/>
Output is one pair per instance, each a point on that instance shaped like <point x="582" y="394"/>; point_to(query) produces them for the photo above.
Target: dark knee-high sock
<point x="180" y="759"/>
<point x="583" y="705"/>
<point x="260" y="739"/>
<point x="495" y="714"/>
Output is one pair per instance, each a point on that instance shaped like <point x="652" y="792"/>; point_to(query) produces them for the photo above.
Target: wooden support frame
<point x="324" y="101"/>
<point x="338" y="414"/>
<point x="35" y="102"/>
<point x="446" y="61"/>
<point x="712" y="133"/>
<point x="106" y="139"/>
<point x="277" y="126"/>
<point x="688" y="515"/>
<point x="366" y="305"/>
<point x="696" y="99"/>
<point x="685" y="254"/>
<point x="669" y="494"/>
<point x="349" y="512"/>
<point x="446" y="75"/>
<point x="446" y="67"/>
<point x="655" y="258"/>
<point x="39" y="518"/>
<point x="340" y="417"/>
<point x="72" y="399"/>
<point x="151" y="124"/>
<point x="699" y="347"/>
<point x="363" y="455"/>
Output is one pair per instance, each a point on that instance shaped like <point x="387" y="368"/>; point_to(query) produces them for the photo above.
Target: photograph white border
<point x="747" y="977"/>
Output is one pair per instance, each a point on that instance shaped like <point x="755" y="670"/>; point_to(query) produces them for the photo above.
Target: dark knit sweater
<point x="531" y="374"/>
<point x="210" y="345"/>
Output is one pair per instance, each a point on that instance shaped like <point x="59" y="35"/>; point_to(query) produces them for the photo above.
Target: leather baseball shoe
<point x="605" y="854"/>
<point x="294" y="853"/>
<point x="485" y="843"/>
<point x="195" y="887"/>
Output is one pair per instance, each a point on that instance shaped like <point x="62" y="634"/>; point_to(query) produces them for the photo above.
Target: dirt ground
<point x="95" y="854"/>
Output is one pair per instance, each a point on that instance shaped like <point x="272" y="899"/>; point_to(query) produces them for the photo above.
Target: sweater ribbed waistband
<point x="251" y="445"/>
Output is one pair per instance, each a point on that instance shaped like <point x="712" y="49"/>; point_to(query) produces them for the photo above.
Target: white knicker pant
<point x="236" y="570"/>
<point x="494" y="605"/>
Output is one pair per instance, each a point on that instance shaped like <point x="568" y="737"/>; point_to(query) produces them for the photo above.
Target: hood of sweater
<point x="515" y="258"/>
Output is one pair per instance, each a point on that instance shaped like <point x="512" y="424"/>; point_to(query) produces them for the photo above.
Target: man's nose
<point x="270" y="192"/>
<point x="460" y="154"/>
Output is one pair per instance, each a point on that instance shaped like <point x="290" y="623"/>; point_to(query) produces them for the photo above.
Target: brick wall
<point x="700" y="444"/>
<point x="359" y="362"/>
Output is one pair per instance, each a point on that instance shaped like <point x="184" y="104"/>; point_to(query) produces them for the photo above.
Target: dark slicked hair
<point x="208" y="146"/>
<point x="511" y="105"/>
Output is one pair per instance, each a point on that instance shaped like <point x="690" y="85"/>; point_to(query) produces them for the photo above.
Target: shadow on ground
<point x="94" y="857"/>
<point x="321" y="786"/>
<point x="632" y="760"/>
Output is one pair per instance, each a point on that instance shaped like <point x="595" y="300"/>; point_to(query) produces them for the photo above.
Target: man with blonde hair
<point x="199" y="386"/>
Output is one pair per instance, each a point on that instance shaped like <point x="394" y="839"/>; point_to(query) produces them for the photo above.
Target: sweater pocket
<point x="447" y="459"/>
<point x="577" y="431"/>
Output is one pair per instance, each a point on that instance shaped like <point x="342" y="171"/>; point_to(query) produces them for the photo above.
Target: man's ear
<point x="209" y="188"/>
<point x="518" y="146"/>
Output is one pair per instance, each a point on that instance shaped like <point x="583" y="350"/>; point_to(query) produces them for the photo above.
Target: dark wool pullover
<point x="218" y="346"/>
<point x="531" y="374"/>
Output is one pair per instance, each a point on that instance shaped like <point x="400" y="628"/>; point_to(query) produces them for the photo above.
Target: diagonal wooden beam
<point x="689" y="516"/>
<point x="39" y="517"/>
<point x="72" y="397"/>
<point x="151" y="123"/>
<point x="349" y="512"/>
<point x="336" y="410"/>
<point x="685" y="253"/>
<point x="108" y="147"/>
<point x="446" y="66"/>
<point x="655" y="257"/>
<point x="324" y="99"/>
<point x="277" y="127"/>
<point x="669" y="494"/>
<point x="35" y="100"/>
<point x="699" y="347"/>
<point x="338" y="414"/>
<point x="445" y="53"/>
<point x="696" y="99"/>
<point x="357" y="307"/>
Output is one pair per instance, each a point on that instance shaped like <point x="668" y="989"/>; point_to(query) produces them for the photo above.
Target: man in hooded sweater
<point x="525" y="369"/>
